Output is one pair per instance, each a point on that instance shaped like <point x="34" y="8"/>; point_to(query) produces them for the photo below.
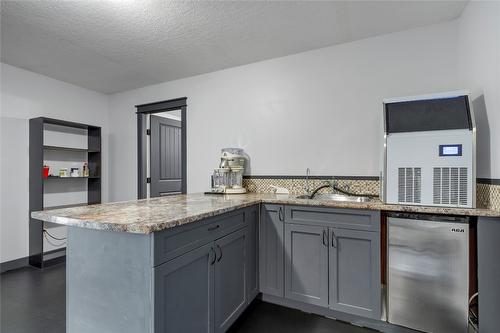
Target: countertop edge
<point x="151" y="227"/>
<point x="136" y="228"/>
<point x="384" y="207"/>
<point x="156" y="227"/>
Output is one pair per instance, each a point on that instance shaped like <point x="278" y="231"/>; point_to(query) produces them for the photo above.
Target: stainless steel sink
<point x="336" y="197"/>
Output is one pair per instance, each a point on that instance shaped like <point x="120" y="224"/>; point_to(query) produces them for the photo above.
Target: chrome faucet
<point x="306" y="187"/>
<point x="334" y="184"/>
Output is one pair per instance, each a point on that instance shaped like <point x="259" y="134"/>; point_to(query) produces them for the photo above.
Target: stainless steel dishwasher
<point x="428" y="272"/>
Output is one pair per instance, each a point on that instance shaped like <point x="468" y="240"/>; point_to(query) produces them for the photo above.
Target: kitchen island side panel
<point x="108" y="282"/>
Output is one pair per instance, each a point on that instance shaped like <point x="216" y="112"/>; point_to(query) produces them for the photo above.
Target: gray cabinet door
<point x="229" y="279"/>
<point x="184" y="292"/>
<point x="252" y="221"/>
<point x="306" y="264"/>
<point x="271" y="250"/>
<point x="355" y="272"/>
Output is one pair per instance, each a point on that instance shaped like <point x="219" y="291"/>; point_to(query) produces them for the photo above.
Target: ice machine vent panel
<point x="409" y="185"/>
<point x="435" y="114"/>
<point x="450" y="186"/>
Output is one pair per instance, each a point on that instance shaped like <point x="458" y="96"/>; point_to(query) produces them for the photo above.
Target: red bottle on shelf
<point x="45" y="171"/>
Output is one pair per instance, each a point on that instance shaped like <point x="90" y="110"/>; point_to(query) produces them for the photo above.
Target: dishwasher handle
<point x="430" y="217"/>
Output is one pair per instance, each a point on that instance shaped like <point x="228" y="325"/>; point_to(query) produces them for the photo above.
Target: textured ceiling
<point x="112" y="46"/>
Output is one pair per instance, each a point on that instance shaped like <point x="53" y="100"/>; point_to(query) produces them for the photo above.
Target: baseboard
<point x="378" y="325"/>
<point x="54" y="257"/>
<point x="51" y="258"/>
<point x="13" y="264"/>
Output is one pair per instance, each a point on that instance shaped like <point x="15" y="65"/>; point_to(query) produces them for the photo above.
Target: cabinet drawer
<point x="176" y="241"/>
<point x="356" y="219"/>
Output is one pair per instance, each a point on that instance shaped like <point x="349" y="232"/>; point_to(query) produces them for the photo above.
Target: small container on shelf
<point x="63" y="172"/>
<point x="45" y="172"/>
<point x="85" y="170"/>
<point x="75" y="172"/>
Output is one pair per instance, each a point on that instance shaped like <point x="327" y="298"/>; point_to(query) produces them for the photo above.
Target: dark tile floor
<point x="264" y="317"/>
<point x="34" y="301"/>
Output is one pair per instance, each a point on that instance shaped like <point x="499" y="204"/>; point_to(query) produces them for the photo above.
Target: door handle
<point x="214" y="227"/>
<point x="334" y="242"/>
<point x="325" y="238"/>
<point x="212" y="254"/>
<point x="280" y="213"/>
<point x="220" y="251"/>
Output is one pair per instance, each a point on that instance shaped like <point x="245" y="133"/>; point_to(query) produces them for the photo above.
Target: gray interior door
<point x="229" y="279"/>
<point x="355" y="272"/>
<point x="183" y="303"/>
<point x="165" y="156"/>
<point x="306" y="263"/>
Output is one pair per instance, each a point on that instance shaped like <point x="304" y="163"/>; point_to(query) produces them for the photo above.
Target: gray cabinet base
<point x="108" y="282"/>
<point x="488" y="234"/>
<point x="378" y="325"/>
<point x="113" y="284"/>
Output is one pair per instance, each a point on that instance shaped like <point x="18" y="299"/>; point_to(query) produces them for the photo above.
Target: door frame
<point x="143" y="111"/>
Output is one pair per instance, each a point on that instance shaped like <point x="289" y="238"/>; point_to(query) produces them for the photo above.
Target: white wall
<point x="479" y="68"/>
<point x="319" y="109"/>
<point x="27" y="95"/>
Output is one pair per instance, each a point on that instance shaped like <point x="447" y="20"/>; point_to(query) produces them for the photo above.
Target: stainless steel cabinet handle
<point x="280" y="213"/>
<point x="334" y="242"/>
<point x="220" y="251"/>
<point x="212" y="253"/>
<point x="214" y="227"/>
<point x="325" y="238"/>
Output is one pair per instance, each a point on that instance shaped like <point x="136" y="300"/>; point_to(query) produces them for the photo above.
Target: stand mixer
<point x="228" y="178"/>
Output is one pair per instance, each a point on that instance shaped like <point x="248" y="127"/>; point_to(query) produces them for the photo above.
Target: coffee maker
<point x="228" y="177"/>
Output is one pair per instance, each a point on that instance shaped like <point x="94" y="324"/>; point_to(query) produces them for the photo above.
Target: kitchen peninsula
<point x="195" y="262"/>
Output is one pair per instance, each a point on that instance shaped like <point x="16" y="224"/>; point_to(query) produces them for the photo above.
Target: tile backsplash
<point x="296" y="186"/>
<point x="487" y="195"/>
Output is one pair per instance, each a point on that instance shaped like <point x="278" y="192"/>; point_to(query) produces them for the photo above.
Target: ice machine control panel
<point x="450" y="150"/>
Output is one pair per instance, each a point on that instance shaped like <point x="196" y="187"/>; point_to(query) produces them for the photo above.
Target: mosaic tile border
<point x="487" y="191"/>
<point x="297" y="186"/>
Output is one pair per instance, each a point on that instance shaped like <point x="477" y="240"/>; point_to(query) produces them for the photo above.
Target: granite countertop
<point x="151" y="215"/>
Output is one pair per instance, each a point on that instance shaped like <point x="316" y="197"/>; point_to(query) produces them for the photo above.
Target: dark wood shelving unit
<point x="70" y="149"/>
<point x="57" y="177"/>
<point x="79" y="177"/>
<point x="37" y="256"/>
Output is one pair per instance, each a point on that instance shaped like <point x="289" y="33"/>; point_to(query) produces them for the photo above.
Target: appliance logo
<point x="457" y="230"/>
